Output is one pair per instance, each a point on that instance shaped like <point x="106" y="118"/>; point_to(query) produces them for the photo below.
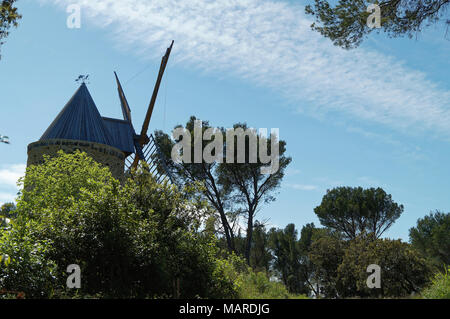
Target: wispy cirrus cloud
<point x="292" y="171"/>
<point x="302" y="187"/>
<point x="270" y="43"/>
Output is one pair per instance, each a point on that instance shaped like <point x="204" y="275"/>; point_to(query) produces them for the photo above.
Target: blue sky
<point x="375" y="116"/>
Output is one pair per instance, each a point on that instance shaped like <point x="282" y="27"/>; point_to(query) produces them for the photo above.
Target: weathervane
<point x="4" y="139"/>
<point x="82" y="78"/>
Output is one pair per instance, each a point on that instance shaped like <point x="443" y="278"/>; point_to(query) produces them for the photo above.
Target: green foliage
<point x="246" y="184"/>
<point x="431" y="237"/>
<point x="440" y="287"/>
<point x="256" y="285"/>
<point x="146" y="240"/>
<point x="353" y="211"/>
<point x="203" y="172"/>
<point x="136" y="240"/>
<point x="8" y="18"/>
<point x="340" y="267"/>
<point x="346" y="23"/>
<point x="326" y="254"/>
<point x="7" y="212"/>
<point x="287" y="258"/>
<point x="239" y="188"/>
<point x="260" y="255"/>
<point x="24" y="266"/>
<point x="403" y="270"/>
<point x="250" y="284"/>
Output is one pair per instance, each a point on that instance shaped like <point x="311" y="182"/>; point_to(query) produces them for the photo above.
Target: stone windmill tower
<point x="111" y="142"/>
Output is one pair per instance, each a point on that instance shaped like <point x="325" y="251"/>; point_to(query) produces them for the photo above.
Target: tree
<point x="308" y="235"/>
<point x="346" y="23"/>
<point x="287" y="255"/>
<point x="260" y="256"/>
<point x="431" y="237"/>
<point x="403" y="270"/>
<point x="326" y="254"/>
<point x="353" y="211"/>
<point x="231" y="188"/>
<point x="8" y="18"/>
<point x="206" y="173"/>
<point x="340" y="267"/>
<point x="245" y="182"/>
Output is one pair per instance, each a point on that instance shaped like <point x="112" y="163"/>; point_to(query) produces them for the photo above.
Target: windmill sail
<point x="143" y="138"/>
<point x="156" y="161"/>
<point x="123" y="101"/>
<point x="146" y="147"/>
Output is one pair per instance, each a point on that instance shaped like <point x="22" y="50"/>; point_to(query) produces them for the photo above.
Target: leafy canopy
<point x="233" y="189"/>
<point x="353" y="211"/>
<point x="8" y="18"/>
<point x="431" y="237"/>
<point x="403" y="270"/>
<point x="346" y="23"/>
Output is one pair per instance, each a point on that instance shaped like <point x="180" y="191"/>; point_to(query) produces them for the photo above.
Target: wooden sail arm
<point x="165" y="59"/>
<point x="123" y="100"/>
<point x="143" y="137"/>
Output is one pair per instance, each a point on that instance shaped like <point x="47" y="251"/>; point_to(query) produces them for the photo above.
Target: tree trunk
<point x="228" y="231"/>
<point x="248" y="245"/>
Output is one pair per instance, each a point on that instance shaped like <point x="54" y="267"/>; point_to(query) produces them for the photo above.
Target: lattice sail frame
<point x="156" y="161"/>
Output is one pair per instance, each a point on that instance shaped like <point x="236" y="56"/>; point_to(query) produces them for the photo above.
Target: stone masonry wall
<point x="103" y="154"/>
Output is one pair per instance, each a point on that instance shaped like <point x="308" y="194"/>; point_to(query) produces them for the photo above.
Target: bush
<point x="403" y="270"/>
<point x="139" y="239"/>
<point x="340" y="267"/>
<point x="257" y="285"/>
<point x="440" y="287"/>
<point x="24" y="269"/>
<point x="249" y="284"/>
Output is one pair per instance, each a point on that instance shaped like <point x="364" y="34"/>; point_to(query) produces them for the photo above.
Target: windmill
<point x="109" y="141"/>
<point x="145" y="146"/>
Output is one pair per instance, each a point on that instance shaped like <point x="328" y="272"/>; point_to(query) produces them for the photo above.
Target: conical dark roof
<point x="79" y="120"/>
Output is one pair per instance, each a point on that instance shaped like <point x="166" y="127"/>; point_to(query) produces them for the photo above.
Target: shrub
<point x="403" y="270"/>
<point x="249" y="284"/>
<point x="24" y="269"/>
<point x="440" y="287"/>
<point x="257" y="285"/>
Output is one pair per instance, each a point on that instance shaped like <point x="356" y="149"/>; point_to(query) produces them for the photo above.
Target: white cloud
<point x="302" y="187"/>
<point x="270" y="43"/>
<point x="292" y="171"/>
<point x="10" y="174"/>
<point x="328" y="182"/>
<point x="399" y="149"/>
